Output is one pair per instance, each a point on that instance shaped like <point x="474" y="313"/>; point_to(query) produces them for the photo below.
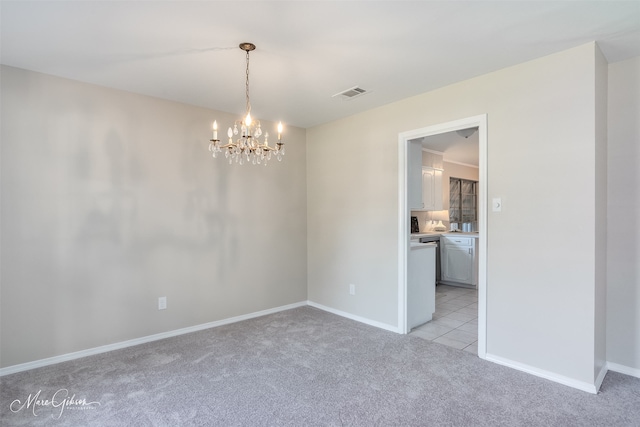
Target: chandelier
<point x="247" y="147"/>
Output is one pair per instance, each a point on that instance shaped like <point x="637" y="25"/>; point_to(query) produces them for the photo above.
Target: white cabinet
<point x="459" y="260"/>
<point x="414" y="176"/>
<point x="424" y="183"/>
<point x="431" y="189"/>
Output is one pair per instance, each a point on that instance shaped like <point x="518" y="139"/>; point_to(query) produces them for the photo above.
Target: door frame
<point x="479" y="121"/>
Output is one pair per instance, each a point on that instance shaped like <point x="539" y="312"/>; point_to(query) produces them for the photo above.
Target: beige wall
<point x="541" y="114"/>
<point x="623" y="243"/>
<point x="111" y="200"/>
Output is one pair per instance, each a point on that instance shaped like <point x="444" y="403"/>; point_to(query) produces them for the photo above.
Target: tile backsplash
<point x="424" y="220"/>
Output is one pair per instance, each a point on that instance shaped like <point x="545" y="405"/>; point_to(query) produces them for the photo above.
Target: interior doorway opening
<point x="404" y="139"/>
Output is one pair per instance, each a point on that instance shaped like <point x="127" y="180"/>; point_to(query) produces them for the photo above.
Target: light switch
<point x="497" y="204"/>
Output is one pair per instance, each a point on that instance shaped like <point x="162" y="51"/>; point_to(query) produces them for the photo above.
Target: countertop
<point x="416" y="236"/>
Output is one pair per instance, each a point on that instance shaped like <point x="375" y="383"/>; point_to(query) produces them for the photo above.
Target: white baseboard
<point x="136" y="341"/>
<point x="354" y="317"/>
<point x="600" y="377"/>
<point x="580" y="385"/>
<point x="622" y="369"/>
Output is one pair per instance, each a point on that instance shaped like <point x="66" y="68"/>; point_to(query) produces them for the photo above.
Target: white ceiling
<point x="454" y="147"/>
<point x="307" y="51"/>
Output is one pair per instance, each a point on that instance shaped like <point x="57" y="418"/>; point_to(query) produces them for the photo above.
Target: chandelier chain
<point x="247" y="85"/>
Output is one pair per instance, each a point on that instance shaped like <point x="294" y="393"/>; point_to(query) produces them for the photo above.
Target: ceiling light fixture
<point x="466" y="133"/>
<point x="248" y="146"/>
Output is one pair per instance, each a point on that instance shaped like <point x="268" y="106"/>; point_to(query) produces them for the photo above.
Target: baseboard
<point x="561" y="379"/>
<point x="354" y="317"/>
<point x="600" y="377"/>
<point x="136" y="341"/>
<point x="622" y="369"/>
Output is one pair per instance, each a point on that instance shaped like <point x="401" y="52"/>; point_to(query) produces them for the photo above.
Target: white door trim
<point x="403" y="219"/>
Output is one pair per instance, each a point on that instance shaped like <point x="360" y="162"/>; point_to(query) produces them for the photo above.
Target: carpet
<point x="303" y="367"/>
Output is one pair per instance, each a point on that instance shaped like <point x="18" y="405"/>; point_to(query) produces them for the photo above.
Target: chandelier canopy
<point x="247" y="147"/>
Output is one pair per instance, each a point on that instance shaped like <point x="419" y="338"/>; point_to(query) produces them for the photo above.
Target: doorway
<point x="404" y="139"/>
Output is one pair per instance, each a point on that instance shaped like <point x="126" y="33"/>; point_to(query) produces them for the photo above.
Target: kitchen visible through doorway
<point x="455" y="321"/>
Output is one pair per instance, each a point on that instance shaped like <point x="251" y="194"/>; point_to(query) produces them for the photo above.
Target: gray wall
<point x="600" y="207"/>
<point x="111" y="200"/>
<point x="541" y="161"/>
<point x="623" y="244"/>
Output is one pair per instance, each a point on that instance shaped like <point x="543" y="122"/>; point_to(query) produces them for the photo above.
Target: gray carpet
<point x="305" y="367"/>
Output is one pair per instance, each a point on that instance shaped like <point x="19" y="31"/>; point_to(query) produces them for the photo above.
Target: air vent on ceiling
<point x="350" y="93"/>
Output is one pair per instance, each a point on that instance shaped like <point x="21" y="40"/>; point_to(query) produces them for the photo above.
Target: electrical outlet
<point x="162" y="303"/>
<point x="352" y="289"/>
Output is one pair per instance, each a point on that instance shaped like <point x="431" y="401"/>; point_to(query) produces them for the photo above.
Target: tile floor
<point x="455" y="321"/>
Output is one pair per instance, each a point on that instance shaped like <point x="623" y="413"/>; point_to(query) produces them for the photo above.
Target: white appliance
<point x="421" y="283"/>
<point x="434" y="239"/>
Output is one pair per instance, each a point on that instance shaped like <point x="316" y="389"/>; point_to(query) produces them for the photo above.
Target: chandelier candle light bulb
<point x="248" y="147"/>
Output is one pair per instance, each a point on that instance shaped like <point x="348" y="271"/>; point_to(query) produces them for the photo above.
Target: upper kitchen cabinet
<point x="432" y="167"/>
<point x="425" y="179"/>
<point x="414" y="175"/>
<point x="431" y="189"/>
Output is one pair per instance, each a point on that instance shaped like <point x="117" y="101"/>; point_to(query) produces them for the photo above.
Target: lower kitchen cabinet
<point x="459" y="261"/>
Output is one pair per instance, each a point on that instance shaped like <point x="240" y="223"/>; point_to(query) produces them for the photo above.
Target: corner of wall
<point x="600" y="297"/>
<point x="623" y="202"/>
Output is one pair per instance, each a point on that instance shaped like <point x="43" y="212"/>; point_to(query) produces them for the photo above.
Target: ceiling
<point x="306" y="52"/>
<point x="454" y="147"/>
